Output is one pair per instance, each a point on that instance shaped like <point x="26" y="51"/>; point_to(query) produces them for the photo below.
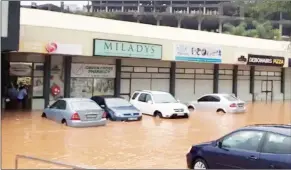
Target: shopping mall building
<point x="66" y="55"/>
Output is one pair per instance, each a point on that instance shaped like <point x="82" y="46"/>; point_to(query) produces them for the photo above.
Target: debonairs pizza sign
<point x="93" y="70"/>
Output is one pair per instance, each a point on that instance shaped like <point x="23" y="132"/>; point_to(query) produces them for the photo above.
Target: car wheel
<point x="158" y="114"/>
<point x="64" y="122"/>
<point x="220" y="111"/>
<point x="199" y="164"/>
<point x="191" y="108"/>
<point x="186" y="116"/>
<point x="43" y="115"/>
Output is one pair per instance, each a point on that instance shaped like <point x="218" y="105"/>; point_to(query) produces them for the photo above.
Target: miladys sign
<point x="126" y="49"/>
<point x="92" y="70"/>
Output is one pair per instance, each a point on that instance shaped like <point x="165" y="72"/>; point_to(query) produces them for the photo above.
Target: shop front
<point x="139" y="65"/>
<point x="195" y="70"/>
<point x="265" y="76"/>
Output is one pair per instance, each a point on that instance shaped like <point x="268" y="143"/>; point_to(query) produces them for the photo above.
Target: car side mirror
<point x="102" y="106"/>
<point x="219" y="144"/>
<point x="150" y="102"/>
<point x="48" y="106"/>
<point x="178" y="100"/>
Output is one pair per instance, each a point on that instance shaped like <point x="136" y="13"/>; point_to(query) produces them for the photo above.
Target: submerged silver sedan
<point x="76" y="112"/>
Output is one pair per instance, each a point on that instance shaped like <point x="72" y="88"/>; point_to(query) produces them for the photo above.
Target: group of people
<point x="16" y="96"/>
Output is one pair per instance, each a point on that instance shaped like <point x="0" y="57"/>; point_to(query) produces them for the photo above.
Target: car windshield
<point x="164" y="98"/>
<point x="117" y="102"/>
<point x="231" y="98"/>
<point x="84" y="105"/>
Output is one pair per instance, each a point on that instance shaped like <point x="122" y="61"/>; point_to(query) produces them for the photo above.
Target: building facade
<point x="10" y="12"/>
<point x="81" y="59"/>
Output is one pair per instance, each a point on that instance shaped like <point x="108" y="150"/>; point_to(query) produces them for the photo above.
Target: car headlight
<point x="189" y="149"/>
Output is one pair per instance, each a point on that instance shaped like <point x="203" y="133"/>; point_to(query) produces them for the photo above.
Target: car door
<point x="238" y="150"/>
<point x="60" y="111"/>
<point x="213" y="103"/>
<point x="133" y="100"/>
<point x="276" y="152"/>
<point x="141" y="103"/>
<point x="202" y="103"/>
<point x="50" y="113"/>
<point x="149" y="109"/>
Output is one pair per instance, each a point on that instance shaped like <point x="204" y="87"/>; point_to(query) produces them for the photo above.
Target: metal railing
<point x="48" y="162"/>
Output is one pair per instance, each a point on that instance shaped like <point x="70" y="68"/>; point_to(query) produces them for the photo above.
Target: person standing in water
<point x="21" y="96"/>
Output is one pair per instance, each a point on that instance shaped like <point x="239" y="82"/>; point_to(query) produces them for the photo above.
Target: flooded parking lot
<point x="150" y="143"/>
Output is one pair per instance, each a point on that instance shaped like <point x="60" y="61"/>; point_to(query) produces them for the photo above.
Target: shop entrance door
<point x="267" y="90"/>
<point x="20" y="73"/>
<point x="27" y="81"/>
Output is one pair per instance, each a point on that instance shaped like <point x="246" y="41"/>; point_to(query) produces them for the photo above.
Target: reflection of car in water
<point x="76" y="112"/>
<point x="117" y="108"/>
<point x="251" y="147"/>
<point x="226" y="103"/>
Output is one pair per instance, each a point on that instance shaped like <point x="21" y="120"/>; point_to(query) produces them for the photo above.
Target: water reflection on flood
<point x="151" y="143"/>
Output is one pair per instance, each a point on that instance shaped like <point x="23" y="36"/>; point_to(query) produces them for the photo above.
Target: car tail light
<point x="104" y="115"/>
<point x="232" y="105"/>
<point x="75" y="116"/>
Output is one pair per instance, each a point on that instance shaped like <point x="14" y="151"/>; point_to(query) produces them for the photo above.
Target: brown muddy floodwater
<point x="150" y="143"/>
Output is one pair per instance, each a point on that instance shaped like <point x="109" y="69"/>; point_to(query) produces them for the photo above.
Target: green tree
<point x="263" y="30"/>
<point x="260" y="9"/>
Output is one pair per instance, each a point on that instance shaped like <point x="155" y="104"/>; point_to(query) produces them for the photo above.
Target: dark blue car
<point x="117" y="109"/>
<point x="251" y="147"/>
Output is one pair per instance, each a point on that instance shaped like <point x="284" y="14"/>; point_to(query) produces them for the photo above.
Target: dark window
<point x="204" y="99"/>
<point x="148" y="98"/>
<point x="244" y="140"/>
<point x="142" y="97"/>
<point x="134" y="96"/>
<point x="60" y="104"/>
<point x="277" y="144"/>
<point x="55" y="105"/>
<point x="213" y="99"/>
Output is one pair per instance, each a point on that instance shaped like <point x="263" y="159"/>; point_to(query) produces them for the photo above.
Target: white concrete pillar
<point x="106" y="9"/>
<point x="158" y="22"/>
<point x="179" y="23"/>
<point x="220" y="27"/>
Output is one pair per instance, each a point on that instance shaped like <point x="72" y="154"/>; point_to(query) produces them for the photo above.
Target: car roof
<point x="152" y="92"/>
<point x="282" y="129"/>
<point x="75" y="99"/>
<point x="217" y="94"/>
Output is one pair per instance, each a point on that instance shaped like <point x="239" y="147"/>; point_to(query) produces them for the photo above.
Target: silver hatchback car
<point x="76" y="112"/>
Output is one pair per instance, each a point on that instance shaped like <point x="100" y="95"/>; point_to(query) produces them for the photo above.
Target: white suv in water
<point x="158" y="103"/>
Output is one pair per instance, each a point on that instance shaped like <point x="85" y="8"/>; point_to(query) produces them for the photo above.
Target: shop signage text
<point x="93" y="70"/>
<point x="126" y="49"/>
<point x="197" y="53"/>
<point x="265" y="60"/>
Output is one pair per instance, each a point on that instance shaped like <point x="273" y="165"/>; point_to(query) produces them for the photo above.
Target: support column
<point x="234" y="79"/>
<point x="117" y="82"/>
<point x="200" y="20"/>
<point x="179" y="20"/>
<point x="46" y="81"/>
<point x="158" y="18"/>
<point x="215" y="78"/>
<point x="173" y="78"/>
<point x="179" y="23"/>
<point x="67" y="75"/>
<point x="252" y="82"/>
<point x="283" y="73"/>
<point x="220" y="26"/>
